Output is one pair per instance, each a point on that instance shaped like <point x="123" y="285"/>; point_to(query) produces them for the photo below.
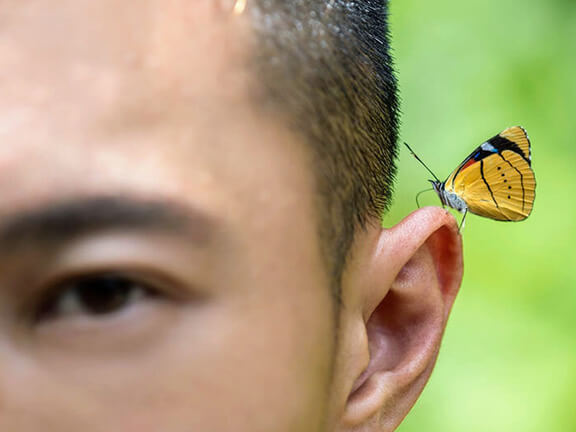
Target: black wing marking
<point x="497" y="144"/>
<point x="500" y="143"/>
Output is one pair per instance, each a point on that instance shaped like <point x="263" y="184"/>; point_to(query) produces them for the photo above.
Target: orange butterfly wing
<point x="500" y="186"/>
<point x="518" y="136"/>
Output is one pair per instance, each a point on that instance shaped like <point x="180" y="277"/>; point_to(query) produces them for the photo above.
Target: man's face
<point x="193" y="297"/>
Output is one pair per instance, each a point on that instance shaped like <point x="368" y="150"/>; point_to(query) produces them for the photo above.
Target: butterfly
<point x="496" y="181"/>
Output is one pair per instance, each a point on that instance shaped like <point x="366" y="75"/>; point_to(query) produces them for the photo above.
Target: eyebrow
<point x="61" y="221"/>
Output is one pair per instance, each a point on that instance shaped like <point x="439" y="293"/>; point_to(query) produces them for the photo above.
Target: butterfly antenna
<point x="420" y="193"/>
<point x="420" y="160"/>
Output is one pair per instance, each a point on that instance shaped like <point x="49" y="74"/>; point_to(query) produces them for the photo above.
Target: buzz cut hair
<point x="326" y="66"/>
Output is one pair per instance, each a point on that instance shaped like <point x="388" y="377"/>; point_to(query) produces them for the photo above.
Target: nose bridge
<point x="17" y="383"/>
<point x="38" y="393"/>
<point x="7" y="378"/>
<point x="24" y="395"/>
<point x="19" y="390"/>
<point x="12" y="366"/>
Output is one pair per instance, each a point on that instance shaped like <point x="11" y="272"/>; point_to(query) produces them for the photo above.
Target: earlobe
<point x="413" y="277"/>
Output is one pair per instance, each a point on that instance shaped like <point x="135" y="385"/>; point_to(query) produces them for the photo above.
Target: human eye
<point x="94" y="296"/>
<point x="104" y="292"/>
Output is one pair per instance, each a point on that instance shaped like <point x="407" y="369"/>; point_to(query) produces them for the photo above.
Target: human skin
<point x="236" y="329"/>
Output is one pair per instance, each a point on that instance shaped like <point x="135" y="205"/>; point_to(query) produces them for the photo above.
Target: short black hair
<point x="326" y="64"/>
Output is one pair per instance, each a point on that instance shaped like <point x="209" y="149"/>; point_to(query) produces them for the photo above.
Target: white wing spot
<point x="488" y="147"/>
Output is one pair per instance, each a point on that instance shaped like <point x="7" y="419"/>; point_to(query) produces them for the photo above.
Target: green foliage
<point x="467" y="70"/>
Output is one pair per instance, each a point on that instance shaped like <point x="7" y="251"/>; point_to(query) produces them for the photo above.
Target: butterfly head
<point x="439" y="189"/>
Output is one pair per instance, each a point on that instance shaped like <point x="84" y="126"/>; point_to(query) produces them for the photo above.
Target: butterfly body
<point x="495" y="181"/>
<point x="448" y="198"/>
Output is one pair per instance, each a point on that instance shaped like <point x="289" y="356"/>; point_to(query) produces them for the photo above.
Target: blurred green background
<point x="467" y="70"/>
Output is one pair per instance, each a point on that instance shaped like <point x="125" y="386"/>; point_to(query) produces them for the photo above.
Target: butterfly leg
<point x="461" y="227"/>
<point x="420" y="193"/>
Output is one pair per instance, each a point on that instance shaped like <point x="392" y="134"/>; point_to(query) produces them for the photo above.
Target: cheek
<point x="264" y="362"/>
<point x="269" y="347"/>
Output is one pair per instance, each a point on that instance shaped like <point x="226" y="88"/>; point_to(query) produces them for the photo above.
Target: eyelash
<point x="54" y="304"/>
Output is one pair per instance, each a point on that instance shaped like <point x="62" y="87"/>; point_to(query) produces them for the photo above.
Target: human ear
<point x="399" y="288"/>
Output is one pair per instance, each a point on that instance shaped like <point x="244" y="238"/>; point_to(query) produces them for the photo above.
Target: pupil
<point x="103" y="294"/>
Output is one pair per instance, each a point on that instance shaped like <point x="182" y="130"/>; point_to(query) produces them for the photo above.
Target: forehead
<point x="152" y="37"/>
<point x="120" y="62"/>
<point x="91" y="85"/>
